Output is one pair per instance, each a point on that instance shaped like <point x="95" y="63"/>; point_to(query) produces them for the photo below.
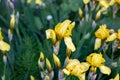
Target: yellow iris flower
<point x="3" y="45"/>
<point x="62" y="31"/>
<point x="102" y="32"/>
<point x="96" y="60"/>
<point x="74" y="67"/>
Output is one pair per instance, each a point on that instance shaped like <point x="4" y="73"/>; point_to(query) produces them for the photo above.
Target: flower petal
<point x="50" y="34"/>
<point x="69" y="43"/>
<point x="97" y="44"/>
<point x="105" y="69"/>
<point x="4" y="46"/>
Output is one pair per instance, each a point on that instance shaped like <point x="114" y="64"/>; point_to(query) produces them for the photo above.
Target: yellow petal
<point x="56" y="61"/>
<point x="69" y="43"/>
<point x="48" y="65"/>
<point x="117" y="77"/>
<point x="118" y="35"/>
<point x="86" y="1"/>
<point x="82" y="76"/>
<point x="50" y="34"/>
<point x="38" y="2"/>
<point x="86" y="65"/>
<point x="1" y="37"/>
<point x="105" y="69"/>
<point x="61" y="28"/>
<point x="97" y="44"/>
<point x="4" y="46"/>
<point x="29" y="1"/>
<point x="111" y="37"/>
<point x="69" y="29"/>
<point x="66" y="71"/>
<point x="118" y="1"/>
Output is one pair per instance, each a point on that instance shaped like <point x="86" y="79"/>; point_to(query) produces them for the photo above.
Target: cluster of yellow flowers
<point x="94" y="61"/>
<point x="105" y="34"/>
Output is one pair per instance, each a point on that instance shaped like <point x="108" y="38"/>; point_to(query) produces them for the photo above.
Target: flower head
<point x="102" y="32"/>
<point x="74" y="67"/>
<point x="96" y="61"/>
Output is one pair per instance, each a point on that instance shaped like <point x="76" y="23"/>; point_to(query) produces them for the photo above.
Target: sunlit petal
<point x="105" y="69"/>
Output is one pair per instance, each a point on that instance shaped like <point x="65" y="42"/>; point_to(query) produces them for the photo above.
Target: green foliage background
<point x="29" y="37"/>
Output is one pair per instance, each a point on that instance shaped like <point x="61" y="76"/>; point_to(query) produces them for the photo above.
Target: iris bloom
<point x="62" y="31"/>
<point x="3" y="45"/>
<point x="74" y="67"/>
<point x="101" y="34"/>
<point x="96" y="61"/>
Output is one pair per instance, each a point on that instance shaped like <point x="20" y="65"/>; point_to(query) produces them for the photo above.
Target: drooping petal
<point x="4" y="46"/>
<point x="105" y="69"/>
<point x="111" y="37"/>
<point x="50" y="34"/>
<point x="97" y="44"/>
<point x="69" y="43"/>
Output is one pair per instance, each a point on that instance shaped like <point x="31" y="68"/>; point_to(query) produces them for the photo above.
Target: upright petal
<point x="61" y="28"/>
<point x="50" y="34"/>
<point x="69" y="43"/>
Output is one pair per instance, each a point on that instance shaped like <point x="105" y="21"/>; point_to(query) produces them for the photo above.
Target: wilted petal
<point x="69" y="43"/>
<point x="97" y="44"/>
<point x="105" y="69"/>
